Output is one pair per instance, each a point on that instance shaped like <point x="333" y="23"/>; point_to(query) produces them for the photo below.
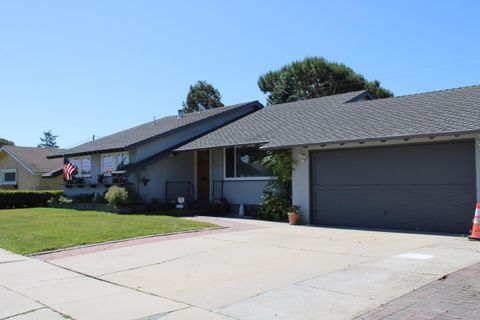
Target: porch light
<point x="301" y="157"/>
<point x="145" y="181"/>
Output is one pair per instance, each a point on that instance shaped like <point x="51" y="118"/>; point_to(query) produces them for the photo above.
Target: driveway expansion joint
<point x="33" y="310"/>
<point x="149" y="265"/>
<point x="23" y="313"/>
<point x="11" y="261"/>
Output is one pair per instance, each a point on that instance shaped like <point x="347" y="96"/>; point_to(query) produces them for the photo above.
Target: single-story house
<point x="409" y="162"/>
<point x="22" y="168"/>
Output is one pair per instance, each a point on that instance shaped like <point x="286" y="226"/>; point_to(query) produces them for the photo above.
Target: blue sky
<point x="96" y="67"/>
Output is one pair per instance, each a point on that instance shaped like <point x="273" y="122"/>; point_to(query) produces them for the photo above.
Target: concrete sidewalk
<point x="454" y="297"/>
<point x="262" y="271"/>
<point x="32" y="289"/>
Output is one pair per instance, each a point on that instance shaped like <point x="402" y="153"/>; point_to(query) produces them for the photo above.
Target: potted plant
<point x="293" y="214"/>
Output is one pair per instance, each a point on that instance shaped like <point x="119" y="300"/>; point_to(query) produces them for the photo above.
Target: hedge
<point x="27" y="198"/>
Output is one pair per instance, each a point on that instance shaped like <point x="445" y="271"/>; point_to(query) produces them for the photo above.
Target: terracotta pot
<point x="293" y="217"/>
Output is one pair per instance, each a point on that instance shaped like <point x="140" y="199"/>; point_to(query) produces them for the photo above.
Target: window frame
<point x="235" y="178"/>
<point x="114" y="156"/>
<point x="8" y="183"/>
<point x="79" y="167"/>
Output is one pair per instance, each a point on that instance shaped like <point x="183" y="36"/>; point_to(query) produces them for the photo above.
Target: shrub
<point x="277" y="195"/>
<point x="27" y="198"/>
<point x="63" y="199"/>
<point x="274" y="205"/>
<point x="116" y="196"/>
<point x="120" y="196"/>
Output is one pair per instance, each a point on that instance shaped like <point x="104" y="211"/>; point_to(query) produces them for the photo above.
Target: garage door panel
<point x="426" y="164"/>
<point x="391" y="208"/>
<point x="367" y="188"/>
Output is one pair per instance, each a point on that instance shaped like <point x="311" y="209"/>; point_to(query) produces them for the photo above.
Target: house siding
<point x="477" y="166"/>
<point x="248" y="192"/>
<point x="51" y="184"/>
<point x="301" y="182"/>
<point x="25" y="180"/>
<point x="175" y="168"/>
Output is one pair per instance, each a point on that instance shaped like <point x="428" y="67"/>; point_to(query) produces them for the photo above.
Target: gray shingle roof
<point x="149" y="130"/>
<point x="263" y="126"/>
<point x="36" y="158"/>
<point x="329" y="120"/>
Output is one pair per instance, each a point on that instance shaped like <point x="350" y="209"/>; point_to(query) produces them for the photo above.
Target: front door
<point x="203" y="175"/>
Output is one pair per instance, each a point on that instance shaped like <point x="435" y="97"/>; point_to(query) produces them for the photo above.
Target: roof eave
<point x="76" y="154"/>
<point x="257" y="143"/>
<point x="389" y="138"/>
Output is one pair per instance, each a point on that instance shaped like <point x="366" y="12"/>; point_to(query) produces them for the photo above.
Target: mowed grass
<point x="33" y="230"/>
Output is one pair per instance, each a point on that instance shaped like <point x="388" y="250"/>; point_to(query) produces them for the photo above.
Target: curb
<point x="41" y="253"/>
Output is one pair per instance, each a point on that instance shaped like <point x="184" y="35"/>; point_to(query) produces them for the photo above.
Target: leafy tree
<point x="6" y="142"/>
<point x="202" y="96"/>
<point x="312" y="78"/>
<point x="48" y="140"/>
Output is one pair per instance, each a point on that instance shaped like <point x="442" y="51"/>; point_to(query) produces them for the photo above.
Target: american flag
<point x="68" y="170"/>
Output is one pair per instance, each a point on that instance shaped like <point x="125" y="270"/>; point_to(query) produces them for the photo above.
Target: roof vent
<point x="181" y="113"/>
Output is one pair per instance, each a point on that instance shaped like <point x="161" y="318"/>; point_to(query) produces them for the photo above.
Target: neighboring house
<point x="410" y="162"/>
<point x="22" y="168"/>
<point x="143" y="157"/>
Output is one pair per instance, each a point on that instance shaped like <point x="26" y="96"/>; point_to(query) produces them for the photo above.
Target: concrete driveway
<point x="264" y="271"/>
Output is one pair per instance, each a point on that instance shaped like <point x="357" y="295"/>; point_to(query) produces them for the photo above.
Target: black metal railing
<point x="217" y="190"/>
<point x="176" y="189"/>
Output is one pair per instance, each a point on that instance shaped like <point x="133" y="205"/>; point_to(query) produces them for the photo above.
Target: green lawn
<point x="39" y="229"/>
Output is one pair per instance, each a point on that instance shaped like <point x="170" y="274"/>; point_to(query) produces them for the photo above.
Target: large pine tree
<point x="312" y="78"/>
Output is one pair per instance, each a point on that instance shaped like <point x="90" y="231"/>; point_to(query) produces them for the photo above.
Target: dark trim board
<point x="396" y="194"/>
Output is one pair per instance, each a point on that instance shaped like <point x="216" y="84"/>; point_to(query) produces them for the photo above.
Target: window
<point x="8" y="177"/>
<point x="86" y="166"/>
<point x="245" y="162"/>
<point x="112" y="162"/>
<point x="107" y="165"/>
<point x="83" y="165"/>
<point x="122" y="160"/>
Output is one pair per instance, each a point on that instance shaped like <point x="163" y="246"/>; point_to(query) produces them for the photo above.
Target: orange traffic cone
<point x="476" y="224"/>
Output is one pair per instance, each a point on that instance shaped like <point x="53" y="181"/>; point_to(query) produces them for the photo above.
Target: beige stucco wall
<point x="27" y="180"/>
<point x="52" y="184"/>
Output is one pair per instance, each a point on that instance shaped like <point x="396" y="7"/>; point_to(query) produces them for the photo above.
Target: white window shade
<point x="107" y="165"/>
<point x="86" y="166"/>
